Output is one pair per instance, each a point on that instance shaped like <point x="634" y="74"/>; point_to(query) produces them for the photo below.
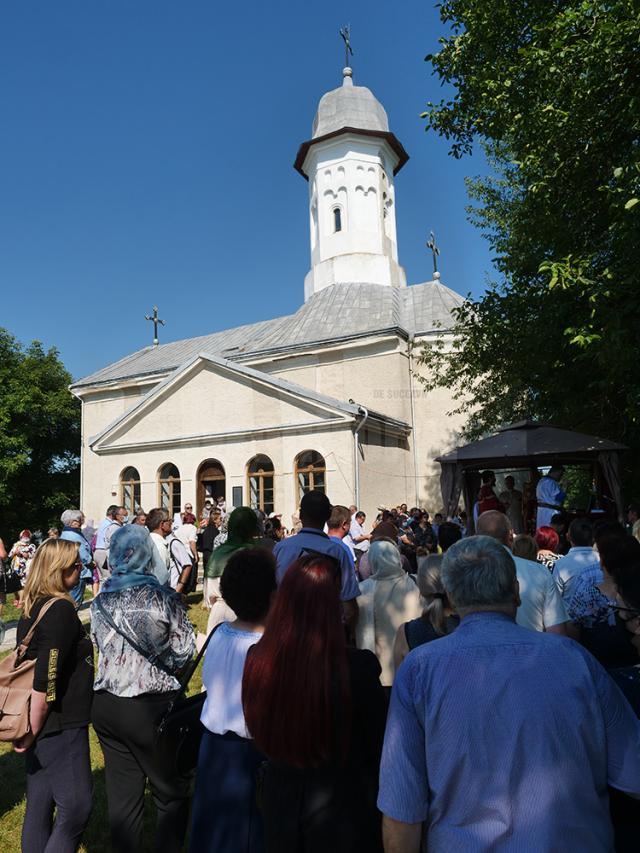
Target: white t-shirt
<point x="187" y="533"/>
<point x="222" y="678"/>
<point x="540" y="602"/>
<point x="355" y="531"/>
<point x="160" y="557"/>
<point x="179" y="557"/>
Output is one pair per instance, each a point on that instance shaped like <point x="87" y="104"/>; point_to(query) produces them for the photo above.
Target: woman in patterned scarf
<point x="144" y="639"/>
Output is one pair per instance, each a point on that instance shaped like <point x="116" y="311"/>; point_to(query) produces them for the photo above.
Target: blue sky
<point x="146" y="155"/>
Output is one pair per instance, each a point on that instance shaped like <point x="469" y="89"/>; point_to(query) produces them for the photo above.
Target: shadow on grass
<point x="12" y="781"/>
<point x="96" y="836"/>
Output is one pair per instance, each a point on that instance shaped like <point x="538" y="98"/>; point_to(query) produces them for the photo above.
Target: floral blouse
<point x="156" y="619"/>
<point x="21" y="556"/>
<point x="589" y="605"/>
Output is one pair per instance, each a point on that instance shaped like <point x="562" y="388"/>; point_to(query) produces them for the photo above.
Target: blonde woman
<point x="438" y="618"/>
<point x="57" y="747"/>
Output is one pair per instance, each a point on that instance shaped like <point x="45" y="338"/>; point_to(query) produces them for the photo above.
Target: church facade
<point x="324" y="398"/>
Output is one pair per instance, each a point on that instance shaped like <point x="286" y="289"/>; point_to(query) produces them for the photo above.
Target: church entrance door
<point x="212" y="483"/>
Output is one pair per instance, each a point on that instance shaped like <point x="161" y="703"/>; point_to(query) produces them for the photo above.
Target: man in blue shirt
<point x="501" y="738"/>
<point x="580" y="557"/>
<point x="73" y="519"/>
<point x="315" y="511"/>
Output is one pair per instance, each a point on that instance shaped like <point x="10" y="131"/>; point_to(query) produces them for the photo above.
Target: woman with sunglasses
<point x="315" y="708"/>
<point x="57" y="747"/>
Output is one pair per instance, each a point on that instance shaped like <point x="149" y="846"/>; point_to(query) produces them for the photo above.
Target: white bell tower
<point x="350" y="163"/>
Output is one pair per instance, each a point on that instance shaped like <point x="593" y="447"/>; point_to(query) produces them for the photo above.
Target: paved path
<point x="9" y="641"/>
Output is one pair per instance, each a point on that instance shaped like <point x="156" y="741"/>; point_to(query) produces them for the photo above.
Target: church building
<point x="325" y="398"/>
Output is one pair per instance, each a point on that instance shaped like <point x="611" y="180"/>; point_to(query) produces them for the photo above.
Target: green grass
<point x="12" y="776"/>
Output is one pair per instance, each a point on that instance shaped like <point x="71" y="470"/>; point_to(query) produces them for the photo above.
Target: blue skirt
<point x="225" y="816"/>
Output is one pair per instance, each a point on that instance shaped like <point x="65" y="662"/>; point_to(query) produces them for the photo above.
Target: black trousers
<point x="126" y="728"/>
<point x="58" y="775"/>
<point x="319" y="812"/>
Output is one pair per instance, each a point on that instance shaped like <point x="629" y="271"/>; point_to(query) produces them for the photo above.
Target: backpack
<point x="16" y="684"/>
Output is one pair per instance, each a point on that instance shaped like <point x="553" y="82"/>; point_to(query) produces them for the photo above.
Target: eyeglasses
<point x="629" y="613"/>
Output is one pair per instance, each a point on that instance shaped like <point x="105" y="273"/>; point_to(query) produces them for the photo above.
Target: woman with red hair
<point x="316" y="709"/>
<point x="547" y="541"/>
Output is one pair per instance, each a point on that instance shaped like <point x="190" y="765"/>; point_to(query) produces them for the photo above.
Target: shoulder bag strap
<point x="186" y="678"/>
<point x="150" y="656"/>
<point x="24" y="645"/>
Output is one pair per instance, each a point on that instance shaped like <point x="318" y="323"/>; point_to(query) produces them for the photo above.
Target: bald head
<point x="496" y="525"/>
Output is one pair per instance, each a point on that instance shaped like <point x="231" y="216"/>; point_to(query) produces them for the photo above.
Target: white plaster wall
<point x="101" y="473"/>
<point x="209" y="401"/>
<point x="374" y="373"/>
<point x="354" y="174"/>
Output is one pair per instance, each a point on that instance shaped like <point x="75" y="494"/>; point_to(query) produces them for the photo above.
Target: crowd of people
<point x="369" y="686"/>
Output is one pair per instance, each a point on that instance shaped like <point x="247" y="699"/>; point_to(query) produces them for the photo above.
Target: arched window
<point x="337" y="219"/>
<point x="260" y="477"/>
<point x="310" y="472"/>
<point x="169" y="488"/>
<point x="212" y="483"/>
<point x="130" y="489"/>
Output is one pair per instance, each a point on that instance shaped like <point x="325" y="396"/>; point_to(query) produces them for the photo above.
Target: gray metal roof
<point x="349" y="106"/>
<point x="339" y="312"/>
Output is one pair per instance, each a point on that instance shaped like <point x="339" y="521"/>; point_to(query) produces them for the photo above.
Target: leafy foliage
<point x="551" y="89"/>
<point x="39" y="438"/>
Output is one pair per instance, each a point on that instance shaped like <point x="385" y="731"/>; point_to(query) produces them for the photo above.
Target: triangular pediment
<point x="210" y="396"/>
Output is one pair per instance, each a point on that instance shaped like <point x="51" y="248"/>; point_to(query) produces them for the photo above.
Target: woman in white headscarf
<point x="387" y="599"/>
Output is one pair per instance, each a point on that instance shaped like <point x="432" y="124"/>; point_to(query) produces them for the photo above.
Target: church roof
<point x="342" y="312"/>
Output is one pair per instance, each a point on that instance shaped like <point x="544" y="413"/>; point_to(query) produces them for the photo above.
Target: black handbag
<point x="179" y="730"/>
<point x="9" y="580"/>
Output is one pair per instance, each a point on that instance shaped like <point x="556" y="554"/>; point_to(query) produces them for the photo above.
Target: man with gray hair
<point x="541" y="607"/>
<point x="72" y="520"/>
<point x="500" y="738"/>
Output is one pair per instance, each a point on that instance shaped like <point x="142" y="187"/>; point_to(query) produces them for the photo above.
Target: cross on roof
<point x="345" y="32"/>
<point x="435" y="251"/>
<point x="156" y="322"/>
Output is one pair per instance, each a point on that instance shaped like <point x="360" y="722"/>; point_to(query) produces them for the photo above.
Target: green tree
<point x="39" y="438"/>
<point x="551" y="90"/>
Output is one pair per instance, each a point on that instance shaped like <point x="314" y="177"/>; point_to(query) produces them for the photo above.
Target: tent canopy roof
<point x="527" y="443"/>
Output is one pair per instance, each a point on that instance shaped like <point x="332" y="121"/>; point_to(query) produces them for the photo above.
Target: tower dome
<point x="349" y="106"/>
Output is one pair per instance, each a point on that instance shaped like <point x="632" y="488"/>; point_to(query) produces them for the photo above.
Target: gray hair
<point x="432" y="591"/>
<point x="478" y="572"/>
<point x="70" y="515"/>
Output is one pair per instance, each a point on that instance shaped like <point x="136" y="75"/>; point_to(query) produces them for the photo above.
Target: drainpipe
<point x="414" y="440"/>
<point x="356" y="459"/>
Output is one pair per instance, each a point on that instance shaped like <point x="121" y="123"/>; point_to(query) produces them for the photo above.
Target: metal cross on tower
<point x="156" y="322"/>
<point x="435" y="251"/>
<point x="345" y="32"/>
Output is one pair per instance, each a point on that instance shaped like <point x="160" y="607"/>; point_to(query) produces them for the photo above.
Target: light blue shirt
<point x="309" y="539"/>
<point x="102" y="529"/>
<point x="505" y="739"/>
<point x="568" y="568"/>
